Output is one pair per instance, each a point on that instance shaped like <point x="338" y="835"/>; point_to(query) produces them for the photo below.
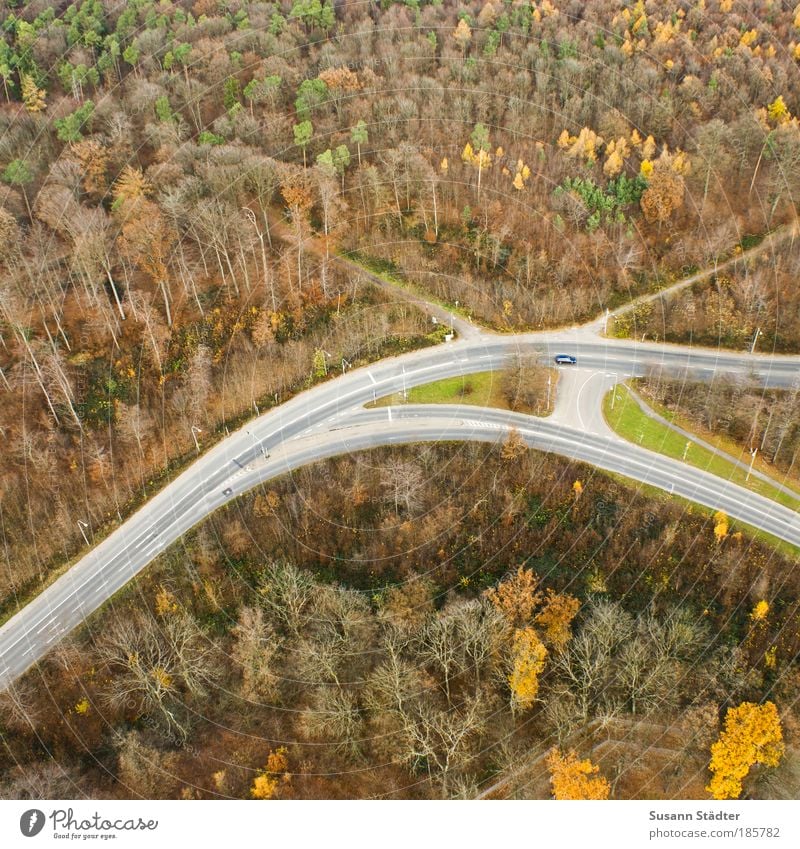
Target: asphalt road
<point x="328" y="419"/>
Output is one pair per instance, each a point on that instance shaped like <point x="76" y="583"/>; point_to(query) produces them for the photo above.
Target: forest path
<point x="771" y="240"/>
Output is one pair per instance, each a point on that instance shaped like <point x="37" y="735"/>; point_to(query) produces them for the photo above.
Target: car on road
<point x="227" y="491"/>
<point x="566" y="360"/>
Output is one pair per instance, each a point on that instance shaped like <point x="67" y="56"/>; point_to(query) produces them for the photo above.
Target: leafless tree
<point x="402" y="480"/>
<point x="154" y="664"/>
<point x="255" y="650"/>
<point x="287" y="595"/>
<point x="335" y="718"/>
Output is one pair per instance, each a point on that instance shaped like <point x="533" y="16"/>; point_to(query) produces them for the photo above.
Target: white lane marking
<point x="192" y="490"/>
<point x="369" y="375"/>
<point x="389" y="410"/>
<point x="152" y="547"/>
<point x="578" y="401"/>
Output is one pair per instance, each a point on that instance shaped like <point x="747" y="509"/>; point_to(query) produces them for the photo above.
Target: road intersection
<point x="331" y="419"/>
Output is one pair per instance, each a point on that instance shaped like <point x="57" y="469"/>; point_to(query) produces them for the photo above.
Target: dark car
<point x="566" y="359"/>
<point x="227" y="491"/>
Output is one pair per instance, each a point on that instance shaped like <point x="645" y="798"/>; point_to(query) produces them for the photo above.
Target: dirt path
<point x="773" y="239"/>
<point x="315" y="245"/>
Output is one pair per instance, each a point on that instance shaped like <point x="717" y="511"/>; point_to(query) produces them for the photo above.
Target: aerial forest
<point x="208" y="207"/>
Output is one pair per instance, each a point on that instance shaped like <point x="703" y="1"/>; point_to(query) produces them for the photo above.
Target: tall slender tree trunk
<point x="162" y="284"/>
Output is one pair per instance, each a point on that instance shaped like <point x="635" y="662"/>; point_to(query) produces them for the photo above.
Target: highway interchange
<point x="331" y="419"/>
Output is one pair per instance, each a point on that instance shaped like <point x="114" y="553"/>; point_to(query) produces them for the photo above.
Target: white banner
<point x="561" y="825"/>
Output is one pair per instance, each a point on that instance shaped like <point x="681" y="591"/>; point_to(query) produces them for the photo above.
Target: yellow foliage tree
<point x="613" y="164"/>
<point x="514" y="447"/>
<point x="572" y="778"/>
<point x="760" y="611"/>
<point x="93" y="158"/>
<point x="165" y="601"/>
<point x="748" y="38"/>
<point x="264" y="786"/>
<point x="267" y="782"/>
<point x="32" y="95"/>
<point x="752" y="735"/>
<point x="463" y="34"/>
<point x="721" y="526"/>
<point x="585" y="145"/>
<point x="527" y="662"/>
<point x="565" y="140"/>
<point x="778" y="112"/>
<point x="131" y="185"/>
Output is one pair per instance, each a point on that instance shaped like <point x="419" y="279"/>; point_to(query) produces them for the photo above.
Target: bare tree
<point x="255" y="650"/>
<point x="402" y="480"/>
<point x="154" y="665"/>
<point x="335" y="718"/>
<point x="287" y="594"/>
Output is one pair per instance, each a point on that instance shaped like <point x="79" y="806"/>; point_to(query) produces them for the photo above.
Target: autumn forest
<point x="208" y="207"/>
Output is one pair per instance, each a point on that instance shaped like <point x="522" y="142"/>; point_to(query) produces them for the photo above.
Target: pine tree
<point x="131" y="185"/>
<point x="32" y="96"/>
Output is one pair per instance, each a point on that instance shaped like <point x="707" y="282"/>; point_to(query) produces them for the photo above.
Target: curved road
<point x="329" y="419"/>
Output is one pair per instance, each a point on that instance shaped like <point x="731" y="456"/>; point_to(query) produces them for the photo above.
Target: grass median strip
<point x="627" y="419"/>
<point x="481" y="389"/>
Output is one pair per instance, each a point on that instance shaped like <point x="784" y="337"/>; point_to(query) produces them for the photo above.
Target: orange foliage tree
<point x="663" y="195"/>
<point x="147" y="241"/>
<point x="571" y="778"/>
<point x="517" y="596"/>
<point x="555" y="618"/>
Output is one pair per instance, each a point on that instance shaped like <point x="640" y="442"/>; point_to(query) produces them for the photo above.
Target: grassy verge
<point x="480" y="389"/>
<point x="654" y="492"/>
<point x="627" y="419"/>
<point x="724" y="443"/>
